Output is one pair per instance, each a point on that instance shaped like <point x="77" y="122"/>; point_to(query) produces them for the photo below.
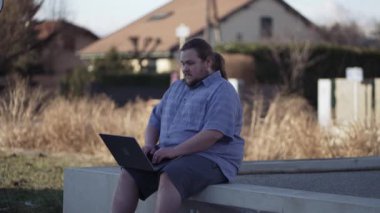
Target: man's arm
<point x="151" y="138"/>
<point x="199" y="142"/>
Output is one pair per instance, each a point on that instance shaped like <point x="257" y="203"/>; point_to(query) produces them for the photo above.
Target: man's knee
<point x="125" y="175"/>
<point x="126" y="180"/>
<point x="165" y="181"/>
<point x="167" y="184"/>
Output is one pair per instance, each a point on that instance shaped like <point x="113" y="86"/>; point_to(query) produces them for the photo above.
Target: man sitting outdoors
<point x="197" y="124"/>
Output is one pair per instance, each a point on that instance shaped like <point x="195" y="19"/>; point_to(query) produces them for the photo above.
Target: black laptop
<point x="129" y="154"/>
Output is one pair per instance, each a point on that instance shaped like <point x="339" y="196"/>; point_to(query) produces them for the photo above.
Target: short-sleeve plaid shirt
<point x="212" y="104"/>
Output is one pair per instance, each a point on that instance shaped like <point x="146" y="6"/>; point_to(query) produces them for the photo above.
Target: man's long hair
<point x="218" y="63"/>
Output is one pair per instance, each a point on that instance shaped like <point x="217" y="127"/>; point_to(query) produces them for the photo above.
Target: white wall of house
<point x="166" y="65"/>
<point x="163" y="65"/>
<point x="286" y="26"/>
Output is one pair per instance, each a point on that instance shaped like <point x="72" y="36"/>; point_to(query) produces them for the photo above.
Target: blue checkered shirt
<point x="212" y="104"/>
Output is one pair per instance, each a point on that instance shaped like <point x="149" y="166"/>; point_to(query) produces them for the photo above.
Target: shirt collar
<point x="212" y="78"/>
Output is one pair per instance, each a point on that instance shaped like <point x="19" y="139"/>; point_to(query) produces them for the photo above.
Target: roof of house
<point x="47" y="29"/>
<point x="162" y="22"/>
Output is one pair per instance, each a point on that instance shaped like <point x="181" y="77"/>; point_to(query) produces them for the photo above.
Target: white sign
<point x="235" y="83"/>
<point x="354" y="73"/>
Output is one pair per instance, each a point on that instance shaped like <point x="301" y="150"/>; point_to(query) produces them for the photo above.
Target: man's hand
<point x="149" y="149"/>
<point x="163" y="153"/>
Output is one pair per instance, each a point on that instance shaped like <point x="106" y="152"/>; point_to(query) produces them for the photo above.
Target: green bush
<point x="111" y="70"/>
<point x="76" y="83"/>
<point x="111" y="64"/>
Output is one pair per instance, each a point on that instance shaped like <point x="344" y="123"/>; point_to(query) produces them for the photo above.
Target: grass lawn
<point x="33" y="181"/>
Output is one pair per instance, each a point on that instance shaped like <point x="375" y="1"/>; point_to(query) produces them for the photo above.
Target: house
<point x="58" y="43"/>
<point x="153" y="36"/>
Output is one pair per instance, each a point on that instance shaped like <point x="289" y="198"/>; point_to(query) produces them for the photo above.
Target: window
<point x="160" y="16"/>
<point x="239" y="37"/>
<point x="266" y="27"/>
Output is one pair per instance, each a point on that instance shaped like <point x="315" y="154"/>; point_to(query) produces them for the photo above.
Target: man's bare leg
<point x="168" y="197"/>
<point x="126" y="195"/>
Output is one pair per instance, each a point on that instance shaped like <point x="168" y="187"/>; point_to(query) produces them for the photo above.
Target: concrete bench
<point x="91" y="189"/>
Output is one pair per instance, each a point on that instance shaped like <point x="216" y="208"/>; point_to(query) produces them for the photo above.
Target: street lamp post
<point x="182" y="32"/>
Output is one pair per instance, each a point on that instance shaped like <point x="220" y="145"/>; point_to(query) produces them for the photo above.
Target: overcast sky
<point x="105" y="17"/>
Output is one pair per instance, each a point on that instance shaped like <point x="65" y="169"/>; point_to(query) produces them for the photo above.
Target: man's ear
<point x="209" y="63"/>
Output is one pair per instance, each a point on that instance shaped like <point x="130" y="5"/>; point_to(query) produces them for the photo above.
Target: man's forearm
<point x="151" y="136"/>
<point x="199" y="142"/>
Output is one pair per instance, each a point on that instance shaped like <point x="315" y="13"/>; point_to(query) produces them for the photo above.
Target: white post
<point x="324" y="102"/>
<point x="355" y="74"/>
<point x="356" y="104"/>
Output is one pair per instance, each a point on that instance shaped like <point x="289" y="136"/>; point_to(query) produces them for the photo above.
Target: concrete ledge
<point x="91" y="190"/>
<point x="315" y="165"/>
<point x="284" y="200"/>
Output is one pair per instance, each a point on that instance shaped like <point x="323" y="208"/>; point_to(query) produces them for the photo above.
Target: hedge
<point x="149" y="80"/>
<point x="331" y="61"/>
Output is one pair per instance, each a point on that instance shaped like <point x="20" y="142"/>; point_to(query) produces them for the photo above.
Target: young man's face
<point x="194" y="69"/>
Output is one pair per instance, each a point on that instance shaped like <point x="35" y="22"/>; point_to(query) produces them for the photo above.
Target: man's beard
<point x="194" y="82"/>
<point x="191" y="83"/>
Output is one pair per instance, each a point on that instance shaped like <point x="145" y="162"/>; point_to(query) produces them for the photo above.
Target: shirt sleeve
<point x="155" y="116"/>
<point x="223" y="111"/>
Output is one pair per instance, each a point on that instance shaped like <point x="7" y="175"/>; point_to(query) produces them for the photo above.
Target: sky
<point x="105" y="17"/>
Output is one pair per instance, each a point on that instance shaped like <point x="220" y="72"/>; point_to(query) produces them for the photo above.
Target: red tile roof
<point x="46" y="29"/>
<point x="190" y="12"/>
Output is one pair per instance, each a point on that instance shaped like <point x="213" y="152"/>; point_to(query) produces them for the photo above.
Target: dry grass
<point x="29" y="120"/>
<point x="62" y="125"/>
<point x="290" y="131"/>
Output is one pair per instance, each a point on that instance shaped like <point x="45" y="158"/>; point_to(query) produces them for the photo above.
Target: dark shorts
<point x="190" y="174"/>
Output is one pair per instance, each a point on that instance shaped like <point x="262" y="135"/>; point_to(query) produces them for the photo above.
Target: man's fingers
<point x="156" y="157"/>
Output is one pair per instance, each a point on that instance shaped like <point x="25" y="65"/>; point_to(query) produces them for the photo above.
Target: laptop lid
<point x="127" y="152"/>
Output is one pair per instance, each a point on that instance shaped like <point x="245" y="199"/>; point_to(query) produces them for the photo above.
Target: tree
<point x="376" y="35"/>
<point x="79" y="81"/>
<point x="345" y="34"/>
<point x="18" y="36"/>
<point x="111" y="64"/>
<point x="376" y="31"/>
<point x="56" y="10"/>
<point x="149" y="45"/>
<point x="292" y="60"/>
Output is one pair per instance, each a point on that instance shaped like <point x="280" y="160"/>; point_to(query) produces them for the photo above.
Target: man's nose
<point x="185" y="68"/>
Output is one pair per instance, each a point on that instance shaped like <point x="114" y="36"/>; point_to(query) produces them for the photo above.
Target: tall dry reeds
<point x="19" y="110"/>
<point x="30" y="120"/>
<point x="17" y="104"/>
<point x="290" y="131"/>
